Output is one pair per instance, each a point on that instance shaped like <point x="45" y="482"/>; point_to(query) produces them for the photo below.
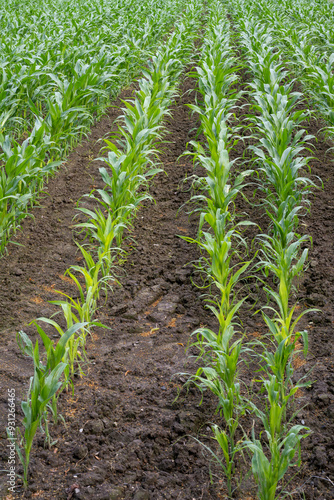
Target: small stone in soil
<point x="80" y="451"/>
<point x="141" y="495"/>
<point x="116" y="494"/>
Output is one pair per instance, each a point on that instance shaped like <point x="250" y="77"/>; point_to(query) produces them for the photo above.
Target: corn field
<point x="166" y="249"/>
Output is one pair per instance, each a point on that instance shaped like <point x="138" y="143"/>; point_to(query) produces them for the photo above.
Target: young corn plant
<point x="89" y="293"/>
<point x="285" y="260"/>
<point x="105" y="232"/>
<point x="81" y="309"/>
<point x="75" y="346"/>
<point x="121" y="197"/>
<point x="283" y="443"/>
<point x="278" y="362"/>
<point x="42" y="389"/>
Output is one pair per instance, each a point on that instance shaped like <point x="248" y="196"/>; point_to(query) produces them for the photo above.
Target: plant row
<point x="306" y="45"/>
<point x="219" y="236"/>
<point x="285" y="187"/>
<point x="65" y="77"/>
<point x="129" y="167"/>
<point x="280" y="170"/>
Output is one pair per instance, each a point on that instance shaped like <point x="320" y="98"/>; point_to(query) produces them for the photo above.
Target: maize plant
<point x="283" y="444"/>
<point x="42" y="389"/>
<point x="90" y="292"/>
<point x="105" y="232"/>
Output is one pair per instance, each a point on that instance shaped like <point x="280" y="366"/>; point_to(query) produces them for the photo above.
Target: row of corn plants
<point x="282" y="180"/>
<point x="130" y="167"/>
<point x="307" y="48"/>
<point x="55" y="369"/>
<point x="285" y="188"/>
<point x="61" y="85"/>
<point x="313" y="21"/>
<point x="131" y="156"/>
<point x="219" y="236"/>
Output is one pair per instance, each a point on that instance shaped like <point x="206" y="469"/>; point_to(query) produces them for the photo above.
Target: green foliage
<point x="73" y="58"/>
<point x="131" y="153"/>
<point x="280" y="142"/>
<point x="218" y="233"/>
<point x="43" y="387"/>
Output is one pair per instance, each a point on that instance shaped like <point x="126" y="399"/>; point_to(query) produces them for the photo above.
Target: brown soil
<point x="125" y="436"/>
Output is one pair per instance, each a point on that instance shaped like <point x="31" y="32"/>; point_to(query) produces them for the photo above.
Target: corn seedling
<point x="89" y="293"/>
<point x="105" y="232"/>
<point x="81" y="309"/>
<point x="283" y="444"/>
<point x="42" y="389"/>
<point x="279" y="363"/>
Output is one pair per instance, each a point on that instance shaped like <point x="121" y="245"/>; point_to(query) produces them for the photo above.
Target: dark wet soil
<point x="125" y="436"/>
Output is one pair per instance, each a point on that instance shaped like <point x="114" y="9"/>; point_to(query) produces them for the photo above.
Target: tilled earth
<point x="126" y="434"/>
